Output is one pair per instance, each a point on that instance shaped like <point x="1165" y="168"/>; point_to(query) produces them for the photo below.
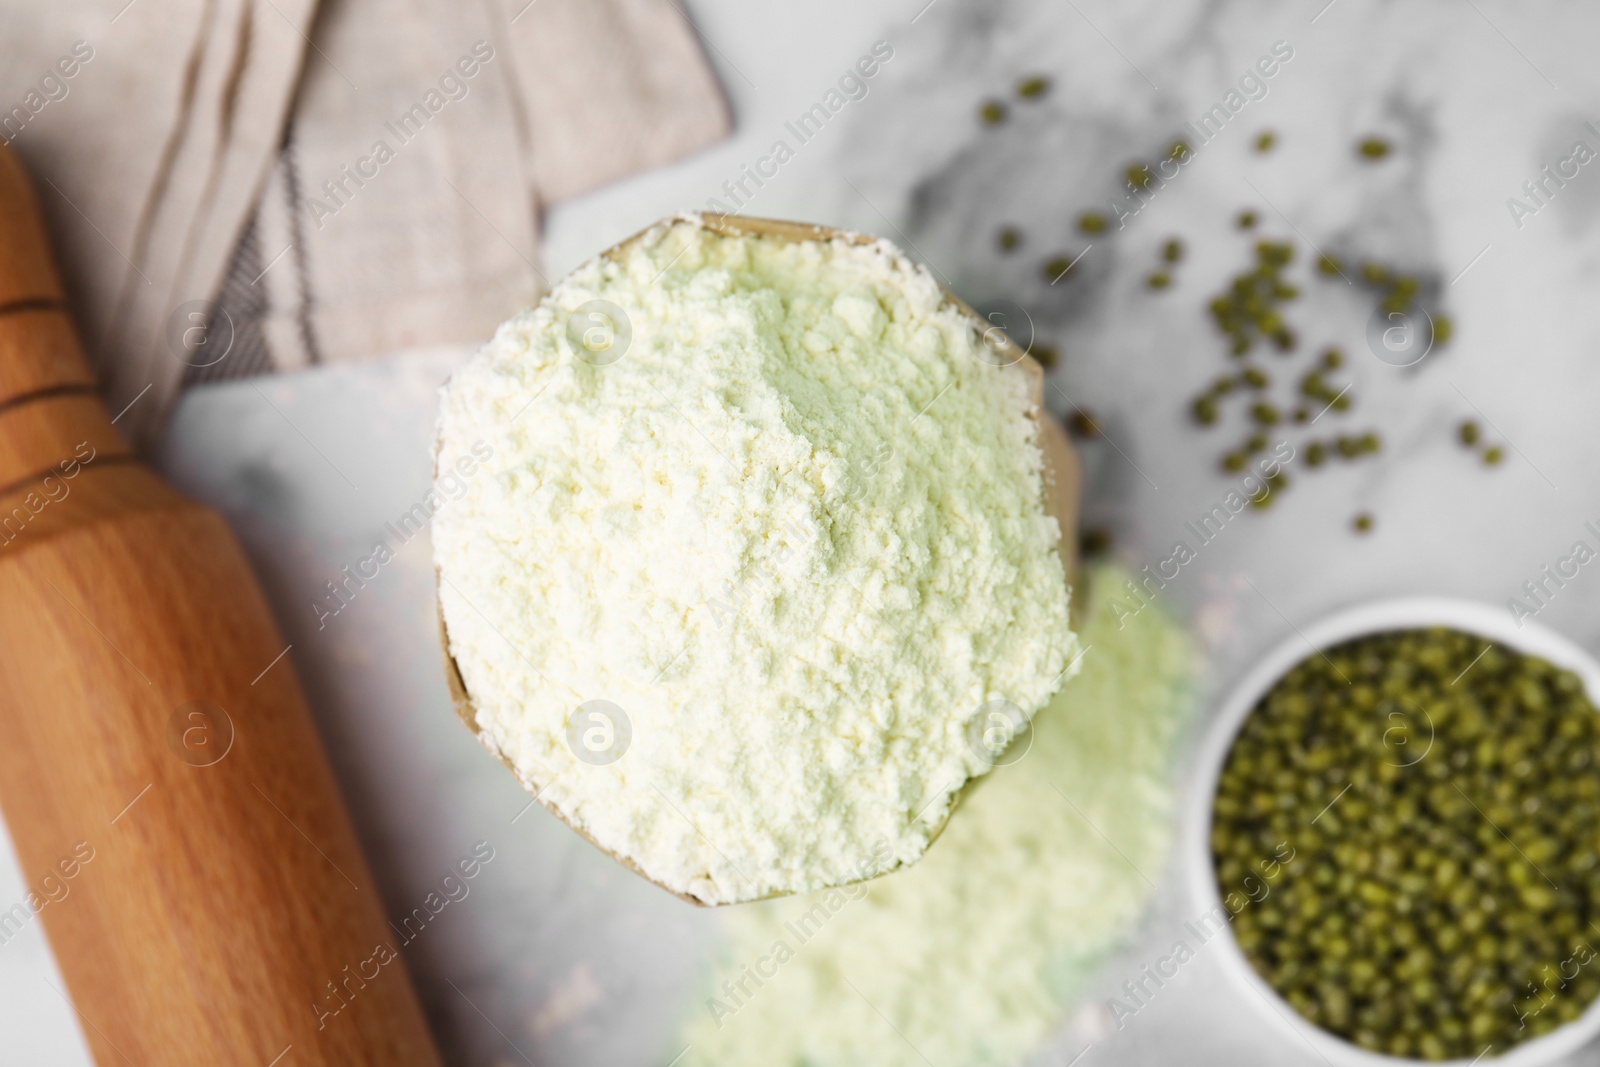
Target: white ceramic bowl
<point x="1493" y="624"/>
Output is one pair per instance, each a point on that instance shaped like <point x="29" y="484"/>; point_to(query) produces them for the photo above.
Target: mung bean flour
<point x="761" y="560"/>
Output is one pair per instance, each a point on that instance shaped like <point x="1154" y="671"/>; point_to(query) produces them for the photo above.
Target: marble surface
<point x="559" y="956"/>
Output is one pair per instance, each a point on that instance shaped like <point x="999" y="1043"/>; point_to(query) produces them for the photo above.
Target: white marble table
<point x="561" y="957"/>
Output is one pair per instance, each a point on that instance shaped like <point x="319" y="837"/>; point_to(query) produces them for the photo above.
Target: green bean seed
<point x="1056" y="269"/>
<point x="1034" y="87"/>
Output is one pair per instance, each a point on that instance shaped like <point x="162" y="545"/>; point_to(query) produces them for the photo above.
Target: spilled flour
<point x="974" y="954"/>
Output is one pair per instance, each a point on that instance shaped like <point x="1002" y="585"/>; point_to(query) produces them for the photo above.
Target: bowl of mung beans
<point x="1397" y="834"/>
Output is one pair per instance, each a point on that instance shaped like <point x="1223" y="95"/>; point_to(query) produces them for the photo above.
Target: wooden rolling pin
<point x="183" y="841"/>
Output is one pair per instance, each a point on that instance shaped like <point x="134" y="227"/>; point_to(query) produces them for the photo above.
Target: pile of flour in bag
<point x="761" y="562"/>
